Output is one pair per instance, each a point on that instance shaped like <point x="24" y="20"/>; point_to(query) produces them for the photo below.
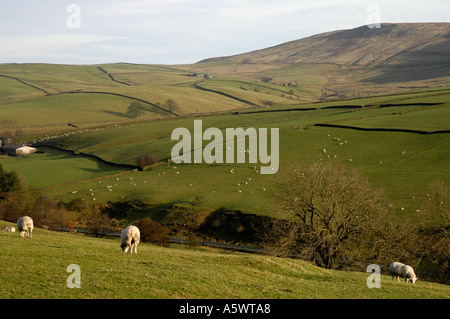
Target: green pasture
<point x="126" y="143"/>
<point x="377" y="155"/>
<point x="57" y="78"/>
<point x="256" y="93"/>
<point x="75" y="108"/>
<point x="35" y="113"/>
<point x="11" y="89"/>
<point x="188" y="98"/>
<point x="401" y="163"/>
<point x="148" y="75"/>
<point x="432" y="119"/>
<point x="40" y="271"/>
<point x="53" y="167"/>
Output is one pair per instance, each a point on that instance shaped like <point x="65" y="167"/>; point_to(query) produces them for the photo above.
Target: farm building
<point x="15" y="150"/>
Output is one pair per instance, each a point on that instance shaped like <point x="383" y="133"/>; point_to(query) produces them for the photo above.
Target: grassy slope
<point x="56" y="167"/>
<point x="74" y="108"/>
<point x="40" y="271"/>
<point x="402" y="176"/>
<point x="432" y="119"/>
<point x="377" y="154"/>
<point x="207" y="273"/>
<point x="45" y="101"/>
<point x="38" y="113"/>
<point x="12" y="89"/>
<point x="154" y="137"/>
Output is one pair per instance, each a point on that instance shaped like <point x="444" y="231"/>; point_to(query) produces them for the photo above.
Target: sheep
<point x="12" y="229"/>
<point x="398" y="269"/>
<point x="130" y="237"/>
<point x="25" y="226"/>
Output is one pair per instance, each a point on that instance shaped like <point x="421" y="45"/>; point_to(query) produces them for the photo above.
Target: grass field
<point x="53" y="167"/>
<point x="42" y="98"/>
<point x="44" y="101"/>
<point x="154" y="137"/>
<point x="401" y="163"/>
<point x="402" y="176"/>
<point x="40" y="271"/>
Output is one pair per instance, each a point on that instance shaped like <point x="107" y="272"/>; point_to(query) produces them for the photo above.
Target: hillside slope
<point x="35" y="98"/>
<point x="40" y="272"/>
<point x="349" y="63"/>
<point x="390" y="44"/>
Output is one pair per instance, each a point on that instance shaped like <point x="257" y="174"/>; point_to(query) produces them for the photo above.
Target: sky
<point x="182" y="31"/>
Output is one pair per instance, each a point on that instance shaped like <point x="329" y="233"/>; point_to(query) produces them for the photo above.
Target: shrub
<point x="95" y="218"/>
<point x="12" y="207"/>
<point x="46" y="212"/>
<point x="126" y="209"/>
<point x="77" y="204"/>
<point x="9" y="182"/>
<point x="153" y="232"/>
<point x="185" y="220"/>
<point x="147" y="159"/>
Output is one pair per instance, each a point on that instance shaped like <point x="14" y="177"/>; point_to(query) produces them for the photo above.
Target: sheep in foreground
<point x="130" y="238"/>
<point x="398" y="269"/>
<point x="25" y="226"/>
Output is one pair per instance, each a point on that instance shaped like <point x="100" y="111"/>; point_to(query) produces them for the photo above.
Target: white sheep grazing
<point x="12" y="229"/>
<point x="398" y="269"/>
<point x="25" y="225"/>
<point x="130" y="237"/>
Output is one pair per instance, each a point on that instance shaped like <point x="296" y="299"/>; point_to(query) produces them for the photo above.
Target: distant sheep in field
<point x="9" y="229"/>
<point x="398" y="269"/>
<point x="130" y="238"/>
<point x="25" y="226"/>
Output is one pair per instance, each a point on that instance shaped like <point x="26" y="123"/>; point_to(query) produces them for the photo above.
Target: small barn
<point x="17" y="150"/>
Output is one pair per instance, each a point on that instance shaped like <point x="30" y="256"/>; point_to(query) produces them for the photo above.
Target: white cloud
<point x="39" y="45"/>
<point x="174" y="31"/>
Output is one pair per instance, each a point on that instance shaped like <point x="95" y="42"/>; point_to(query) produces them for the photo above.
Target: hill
<point x="35" y="99"/>
<point x="361" y="97"/>
<point x="376" y="134"/>
<point x="394" y="56"/>
<point x="39" y="271"/>
<point x="360" y="46"/>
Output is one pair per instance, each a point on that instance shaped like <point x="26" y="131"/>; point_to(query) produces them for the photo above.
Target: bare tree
<point x="331" y="203"/>
<point x="279" y="237"/>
